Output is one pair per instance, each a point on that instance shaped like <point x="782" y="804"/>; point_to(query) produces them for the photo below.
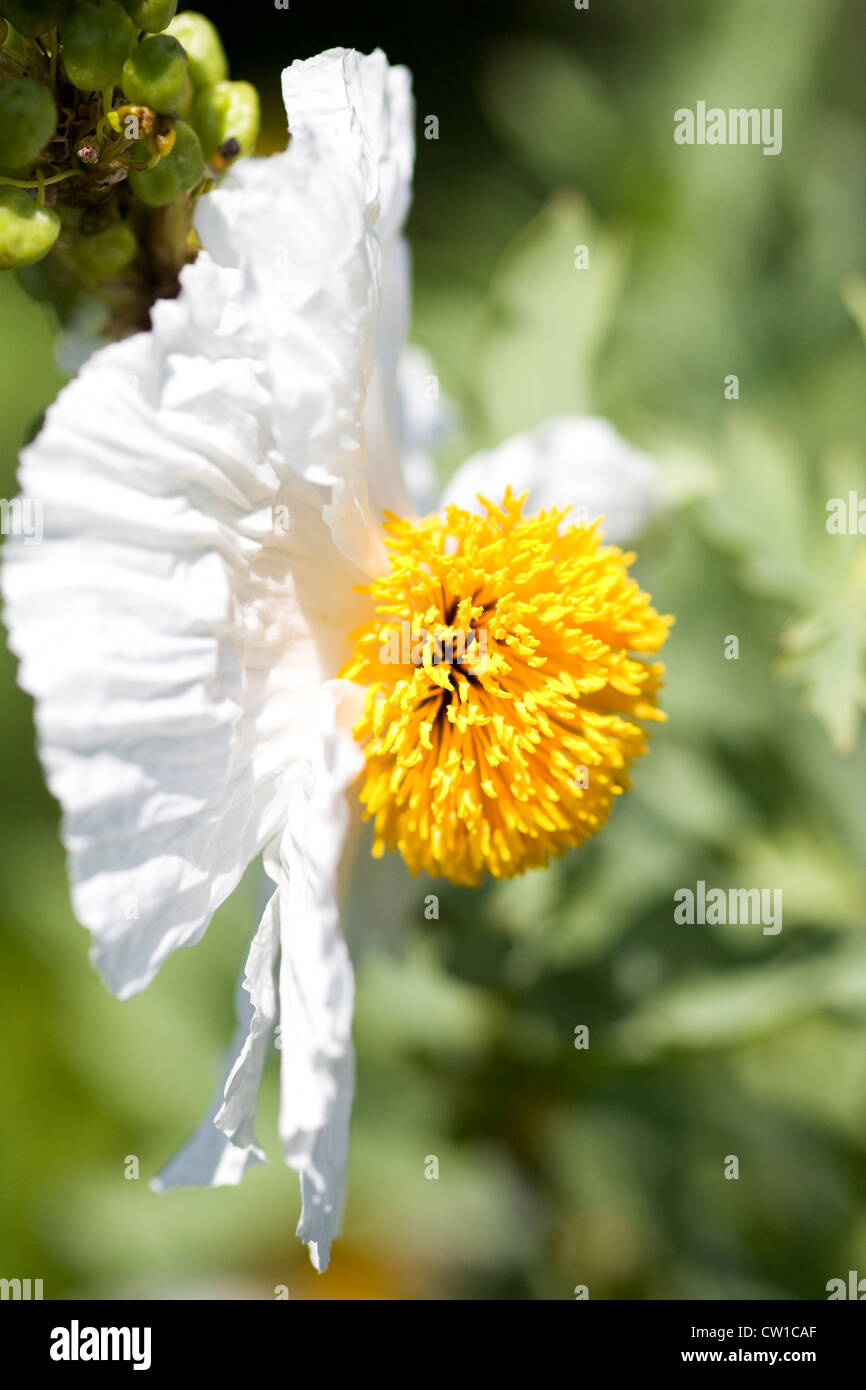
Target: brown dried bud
<point x="88" y="152"/>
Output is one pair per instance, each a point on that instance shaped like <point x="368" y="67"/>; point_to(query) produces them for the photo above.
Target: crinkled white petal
<point x="577" y="461"/>
<point x="310" y="267"/>
<point x="355" y="96"/>
<point x="316" y="984"/>
<point x="366" y="107"/>
<point x="309" y="278"/>
<point x="224" y="1145"/>
<point x="187" y="601"/>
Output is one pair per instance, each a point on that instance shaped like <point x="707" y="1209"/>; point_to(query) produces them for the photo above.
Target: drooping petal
<point x="224" y="1145"/>
<point x="316" y="984"/>
<point x="187" y="601"/>
<point x="299" y="982"/>
<point x="578" y="460"/>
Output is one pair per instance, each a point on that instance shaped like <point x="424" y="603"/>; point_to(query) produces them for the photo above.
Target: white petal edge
<point x="316" y="983"/>
<point x="312" y="266"/>
<point x="300" y="943"/>
<point x="354" y="95"/>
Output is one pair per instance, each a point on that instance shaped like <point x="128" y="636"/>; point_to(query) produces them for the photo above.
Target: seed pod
<point x="33" y="17"/>
<point x="155" y="72"/>
<point x="176" y="172"/>
<point x="227" y="111"/>
<point x="207" y="60"/>
<point x="152" y="15"/>
<point x="97" y="38"/>
<point x="27" y="231"/>
<point x="103" y="253"/>
<point x="183" y="105"/>
<point x="28" y="119"/>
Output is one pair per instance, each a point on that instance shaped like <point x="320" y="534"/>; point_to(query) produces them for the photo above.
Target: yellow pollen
<point x="504" y="682"/>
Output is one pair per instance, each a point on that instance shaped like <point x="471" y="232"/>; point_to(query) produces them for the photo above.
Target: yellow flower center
<point x="503" y="685"/>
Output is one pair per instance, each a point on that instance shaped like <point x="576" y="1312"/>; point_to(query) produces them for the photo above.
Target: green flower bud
<point x="32" y="17"/>
<point x="207" y="60"/>
<point x="183" y="105"/>
<point x="4" y="30"/>
<point x="103" y="253"/>
<point x="28" y="119"/>
<point x="36" y="282"/>
<point x="70" y="217"/>
<point x="139" y="152"/>
<point x="176" y="173"/>
<point x="154" y="74"/>
<point x="48" y="282"/>
<point x="229" y="110"/>
<point x="152" y="15"/>
<point x="27" y="231"/>
<point x="156" y="144"/>
<point x="96" y="40"/>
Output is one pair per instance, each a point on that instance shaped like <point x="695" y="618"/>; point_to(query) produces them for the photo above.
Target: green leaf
<point x="545" y="320"/>
<point x="826" y="658"/>
<point x="713" y="1011"/>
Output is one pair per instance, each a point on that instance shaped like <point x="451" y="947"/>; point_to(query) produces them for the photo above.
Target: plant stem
<point x="39" y="182"/>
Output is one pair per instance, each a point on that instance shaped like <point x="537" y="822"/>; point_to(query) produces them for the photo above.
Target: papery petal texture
<point x="188" y="599"/>
<point x="364" y="109"/>
<point x="316" y="982"/>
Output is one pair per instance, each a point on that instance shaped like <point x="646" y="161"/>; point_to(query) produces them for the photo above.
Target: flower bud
<point x="226" y="111"/>
<point x="155" y="72"/>
<point x="33" y="17"/>
<point x="27" y="230"/>
<point x="28" y="119"/>
<point x="152" y="15"/>
<point x="102" y="253"/>
<point x="207" y="60"/>
<point x="183" y="105"/>
<point x="176" y="173"/>
<point x="97" y="37"/>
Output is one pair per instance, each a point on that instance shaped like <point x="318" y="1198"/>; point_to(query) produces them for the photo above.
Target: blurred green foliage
<point x="557" y="1166"/>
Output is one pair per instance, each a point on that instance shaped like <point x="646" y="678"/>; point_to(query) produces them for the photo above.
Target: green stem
<point x="107" y="100"/>
<point x="39" y="183"/>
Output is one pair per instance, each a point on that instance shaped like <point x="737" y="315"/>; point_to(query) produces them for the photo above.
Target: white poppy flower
<point x="215" y="491"/>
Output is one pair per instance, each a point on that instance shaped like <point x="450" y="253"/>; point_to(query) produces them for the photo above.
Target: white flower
<point x="213" y="490"/>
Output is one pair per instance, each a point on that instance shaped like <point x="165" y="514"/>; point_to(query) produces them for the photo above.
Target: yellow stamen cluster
<point x="502" y="688"/>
